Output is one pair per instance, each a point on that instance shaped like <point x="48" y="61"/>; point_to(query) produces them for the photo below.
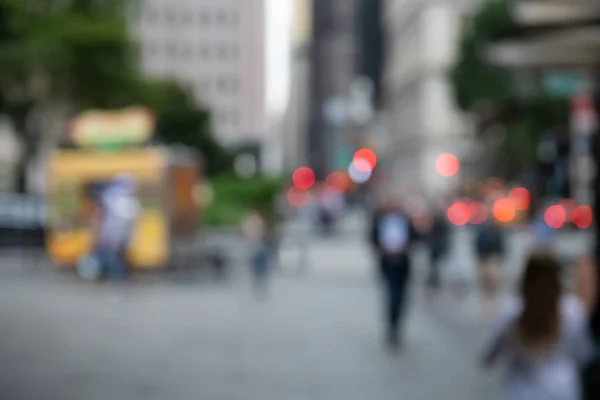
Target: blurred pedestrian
<point x="438" y="239"/>
<point x="258" y="231"/>
<point x="329" y="208"/>
<point x="392" y="234"/>
<point x="543" y="335"/>
<point x="543" y="234"/>
<point x="489" y="246"/>
<point x="118" y="212"/>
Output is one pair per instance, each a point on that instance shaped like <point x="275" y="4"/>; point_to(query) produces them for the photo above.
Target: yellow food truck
<point x="102" y="146"/>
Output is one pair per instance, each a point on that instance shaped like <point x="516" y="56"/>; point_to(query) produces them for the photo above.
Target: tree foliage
<point x="475" y="81"/>
<point x="181" y="122"/>
<point x="79" y="53"/>
<point x="488" y="90"/>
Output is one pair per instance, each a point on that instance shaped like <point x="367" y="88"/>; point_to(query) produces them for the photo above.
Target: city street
<point x="316" y="335"/>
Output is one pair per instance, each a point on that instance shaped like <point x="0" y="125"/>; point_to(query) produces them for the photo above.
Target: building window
<point x="186" y="51"/>
<point x="150" y="49"/>
<point x="171" y="50"/>
<point x="234" y="18"/>
<point x="221" y="17"/>
<point x="235" y="52"/>
<point x="203" y="18"/>
<point x="222" y="84"/>
<point x="170" y="17"/>
<point x="205" y="85"/>
<point x="235" y="118"/>
<point x="222" y="117"/>
<point x="203" y="52"/>
<point x="150" y="15"/>
<point x="222" y="52"/>
<point x="201" y="87"/>
<point x="187" y="17"/>
<point x="234" y="85"/>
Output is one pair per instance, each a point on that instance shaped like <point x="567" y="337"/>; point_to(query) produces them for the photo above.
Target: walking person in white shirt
<point x="392" y="234"/>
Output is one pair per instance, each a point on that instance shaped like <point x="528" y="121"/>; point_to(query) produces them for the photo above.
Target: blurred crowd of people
<point x="545" y="334"/>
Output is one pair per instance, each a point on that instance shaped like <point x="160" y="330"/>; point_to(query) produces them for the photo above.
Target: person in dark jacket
<point x="489" y="246"/>
<point x="392" y="234"/>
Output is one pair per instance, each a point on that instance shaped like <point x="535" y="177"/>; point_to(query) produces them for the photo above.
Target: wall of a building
<point x="333" y="56"/>
<point x="217" y="49"/>
<point x="423" y="39"/>
<point x="295" y="123"/>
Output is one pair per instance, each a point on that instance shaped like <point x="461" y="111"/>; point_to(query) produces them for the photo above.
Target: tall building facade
<point x="371" y="45"/>
<point x="333" y="58"/>
<point x="216" y="48"/>
<point x="421" y="116"/>
<point x="295" y="126"/>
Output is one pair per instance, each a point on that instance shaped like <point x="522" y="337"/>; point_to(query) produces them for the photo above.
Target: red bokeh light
<point x="521" y="197"/>
<point x="447" y="165"/>
<point x="459" y="214"/>
<point x="369" y="156"/>
<point x="582" y="217"/>
<point x="337" y="182"/>
<point x="555" y="216"/>
<point x="569" y="206"/>
<point x="493" y="186"/>
<point x="303" y="178"/>
<point x="478" y="213"/>
<point x="504" y="210"/>
<point x="298" y="197"/>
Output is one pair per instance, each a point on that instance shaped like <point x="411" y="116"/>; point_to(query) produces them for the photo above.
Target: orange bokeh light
<point x="504" y="210"/>
<point x="521" y="197"/>
<point x="459" y="214"/>
<point x="582" y="217"/>
<point x="478" y="213"/>
<point x="298" y="197"/>
<point x="447" y="165"/>
<point x="369" y="156"/>
<point x="337" y="182"/>
<point x="303" y="178"/>
<point x="555" y="216"/>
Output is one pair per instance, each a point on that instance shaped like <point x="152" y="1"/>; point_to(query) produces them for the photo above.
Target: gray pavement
<point x="316" y="335"/>
<point x="65" y="340"/>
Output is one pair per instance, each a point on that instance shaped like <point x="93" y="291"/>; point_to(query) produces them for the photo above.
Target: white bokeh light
<point x="360" y="171"/>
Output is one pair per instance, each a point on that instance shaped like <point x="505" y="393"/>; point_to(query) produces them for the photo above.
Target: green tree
<point x="181" y="121"/>
<point x="492" y="92"/>
<point x="78" y="54"/>
<point x="476" y="83"/>
<point x="55" y="53"/>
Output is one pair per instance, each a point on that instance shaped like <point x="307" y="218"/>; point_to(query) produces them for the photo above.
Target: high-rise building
<point x="423" y="120"/>
<point x="295" y="126"/>
<point x="216" y="48"/>
<point x="333" y="58"/>
<point x="370" y="44"/>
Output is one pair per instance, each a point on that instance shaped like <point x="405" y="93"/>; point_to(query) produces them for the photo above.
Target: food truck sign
<point x="110" y="129"/>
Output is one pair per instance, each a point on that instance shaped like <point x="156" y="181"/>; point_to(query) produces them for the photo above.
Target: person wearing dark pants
<point x="396" y="273"/>
<point x="438" y="240"/>
<point x="392" y="234"/>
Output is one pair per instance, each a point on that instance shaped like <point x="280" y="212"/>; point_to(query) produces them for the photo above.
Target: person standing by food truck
<point x="119" y="208"/>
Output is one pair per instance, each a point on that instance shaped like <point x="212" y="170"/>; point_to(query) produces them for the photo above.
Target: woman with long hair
<point x="544" y="335"/>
